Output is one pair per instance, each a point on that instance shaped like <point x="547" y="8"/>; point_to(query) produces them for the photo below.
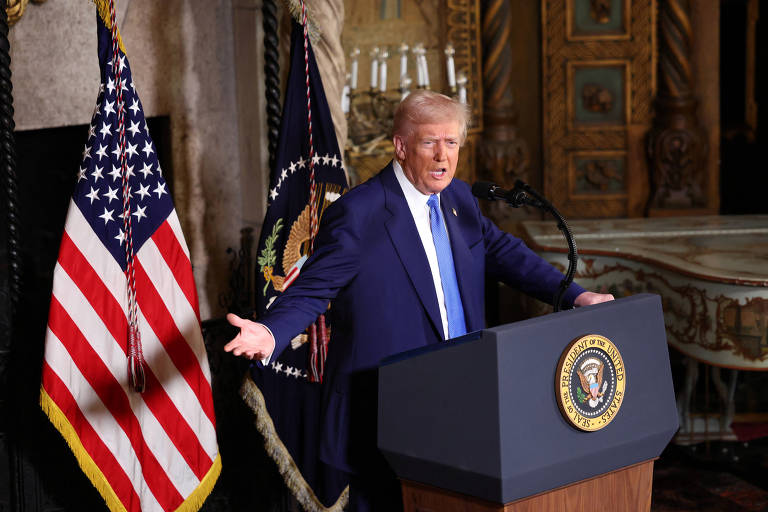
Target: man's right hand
<point x="254" y="341"/>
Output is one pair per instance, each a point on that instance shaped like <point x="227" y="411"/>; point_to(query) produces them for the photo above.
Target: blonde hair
<point x="424" y="107"/>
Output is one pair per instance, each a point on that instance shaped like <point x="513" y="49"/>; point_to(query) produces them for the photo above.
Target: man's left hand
<point x="589" y="298"/>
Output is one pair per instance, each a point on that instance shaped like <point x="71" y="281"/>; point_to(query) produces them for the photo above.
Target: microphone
<point x="516" y="197"/>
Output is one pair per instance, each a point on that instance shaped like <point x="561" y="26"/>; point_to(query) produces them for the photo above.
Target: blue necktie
<point x="454" y="309"/>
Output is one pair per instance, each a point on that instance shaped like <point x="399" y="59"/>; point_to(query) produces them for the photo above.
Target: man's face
<point x="429" y="156"/>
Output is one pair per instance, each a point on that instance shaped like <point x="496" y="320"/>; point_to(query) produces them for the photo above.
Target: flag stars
<point x="102" y="151"/>
<point x="109" y="107"/>
<point x="301" y="162"/>
<point x="292" y="167"/>
<point x="91" y="131"/>
<point x="111" y="85"/>
<point x="316" y="160"/>
<point x="134" y="106"/>
<point x="160" y="190"/>
<point x="146" y="170"/>
<point x="131" y="150"/>
<point x="120" y="236"/>
<point x="143" y="191"/>
<point x="326" y="159"/>
<point x="97" y="174"/>
<point x="111" y="193"/>
<point x="148" y="149"/>
<point x="81" y="175"/>
<point x="107" y="216"/>
<point x="115" y="173"/>
<point x="335" y="161"/>
<point x="139" y="213"/>
<point x="283" y="175"/>
<point x="134" y="128"/>
<point x="273" y="193"/>
<point x="86" y="152"/>
<point x="93" y="195"/>
<point x="105" y="130"/>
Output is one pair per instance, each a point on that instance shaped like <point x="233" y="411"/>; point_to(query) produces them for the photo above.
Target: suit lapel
<point x="462" y="259"/>
<point x="405" y="238"/>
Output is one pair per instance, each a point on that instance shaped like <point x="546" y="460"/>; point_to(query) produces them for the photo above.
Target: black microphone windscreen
<point x="482" y="189"/>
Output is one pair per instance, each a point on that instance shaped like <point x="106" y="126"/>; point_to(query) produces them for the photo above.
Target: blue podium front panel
<point x="479" y="415"/>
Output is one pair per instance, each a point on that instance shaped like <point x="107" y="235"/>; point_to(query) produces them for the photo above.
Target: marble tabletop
<point x="727" y="249"/>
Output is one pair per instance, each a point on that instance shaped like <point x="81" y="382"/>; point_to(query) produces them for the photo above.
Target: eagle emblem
<point x="591" y="377"/>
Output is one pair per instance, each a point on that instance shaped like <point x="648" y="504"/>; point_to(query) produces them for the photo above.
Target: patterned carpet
<point x="726" y="477"/>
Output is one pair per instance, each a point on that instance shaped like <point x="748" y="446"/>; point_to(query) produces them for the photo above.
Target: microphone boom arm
<point x="523" y="194"/>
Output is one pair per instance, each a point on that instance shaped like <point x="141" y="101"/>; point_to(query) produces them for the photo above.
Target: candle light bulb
<point x="383" y="56"/>
<point x="449" y="66"/>
<point x="353" y="68"/>
<point x="403" y="59"/>
<point x="374" y="67"/>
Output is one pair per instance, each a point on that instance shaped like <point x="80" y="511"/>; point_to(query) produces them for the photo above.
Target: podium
<point x="475" y="424"/>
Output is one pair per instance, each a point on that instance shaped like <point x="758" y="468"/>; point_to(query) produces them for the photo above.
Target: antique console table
<point x="712" y="275"/>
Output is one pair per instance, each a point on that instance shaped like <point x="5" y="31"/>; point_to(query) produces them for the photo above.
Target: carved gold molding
<point x="15" y="9"/>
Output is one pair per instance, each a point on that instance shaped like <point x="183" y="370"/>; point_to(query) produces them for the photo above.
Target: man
<point x="403" y="257"/>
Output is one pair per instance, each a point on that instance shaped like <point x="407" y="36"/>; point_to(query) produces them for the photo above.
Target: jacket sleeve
<point x="333" y="265"/>
<point x="509" y="260"/>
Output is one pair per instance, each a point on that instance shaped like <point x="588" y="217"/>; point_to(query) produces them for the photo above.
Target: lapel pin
<point x="454" y="212"/>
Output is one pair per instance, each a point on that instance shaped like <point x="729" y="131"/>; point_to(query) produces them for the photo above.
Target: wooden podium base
<point x="626" y="489"/>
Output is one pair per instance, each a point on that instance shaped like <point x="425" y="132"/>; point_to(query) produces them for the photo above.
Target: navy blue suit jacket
<point x="369" y="260"/>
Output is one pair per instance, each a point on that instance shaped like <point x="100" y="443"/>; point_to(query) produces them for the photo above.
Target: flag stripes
<point x="113" y="396"/>
<point x="161" y="322"/>
<point x="174" y="256"/>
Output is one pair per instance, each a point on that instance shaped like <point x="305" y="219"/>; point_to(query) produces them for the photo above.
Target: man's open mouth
<point x="438" y="173"/>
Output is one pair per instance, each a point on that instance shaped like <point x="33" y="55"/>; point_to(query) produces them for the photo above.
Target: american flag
<point x="147" y="451"/>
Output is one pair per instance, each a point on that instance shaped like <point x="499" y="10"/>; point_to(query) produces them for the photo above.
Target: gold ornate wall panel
<point x="599" y="81"/>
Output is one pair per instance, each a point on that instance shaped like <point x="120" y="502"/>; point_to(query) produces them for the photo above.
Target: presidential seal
<point x="590" y="384"/>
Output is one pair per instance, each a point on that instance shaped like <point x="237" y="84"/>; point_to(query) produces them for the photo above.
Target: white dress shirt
<point x="417" y="203"/>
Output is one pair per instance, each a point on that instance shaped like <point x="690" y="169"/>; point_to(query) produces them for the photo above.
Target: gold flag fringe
<point x="195" y="500"/>
<point x="279" y="453"/>
<point x="103" y="7"/>
<point x="97" y="478"/>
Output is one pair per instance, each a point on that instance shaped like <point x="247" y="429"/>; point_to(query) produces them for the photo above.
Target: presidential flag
<point x="286" y="403"/>
<point x="154" y="450"/>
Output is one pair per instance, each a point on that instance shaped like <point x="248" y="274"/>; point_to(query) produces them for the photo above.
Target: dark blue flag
<point x="286" y="403"/>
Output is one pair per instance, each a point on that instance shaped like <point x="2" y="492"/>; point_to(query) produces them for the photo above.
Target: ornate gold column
<point x="677" y="144"/>
<point x="503" y="155"/>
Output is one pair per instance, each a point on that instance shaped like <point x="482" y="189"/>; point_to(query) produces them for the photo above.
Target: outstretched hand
<point x="254" y="341"/>
<point x="589" y="298"/>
